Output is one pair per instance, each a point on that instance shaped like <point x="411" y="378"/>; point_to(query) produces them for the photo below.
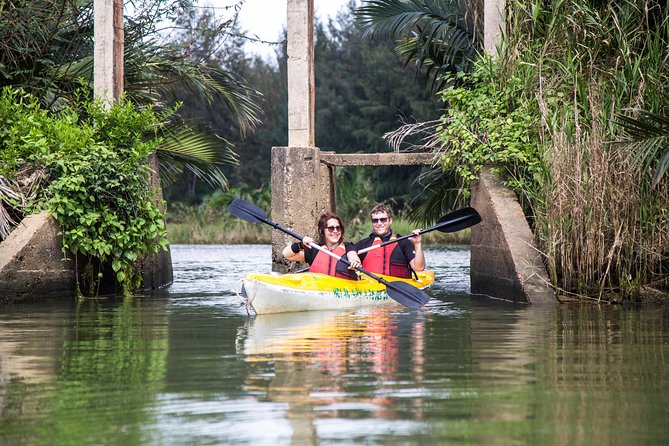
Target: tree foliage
<point x="94" y="170"/>
<point x="47" y="50"/>
<point x="437" y="37"/>
<point x="362" y="92"/>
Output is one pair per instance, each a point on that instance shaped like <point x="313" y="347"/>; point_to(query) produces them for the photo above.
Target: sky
<point x="267" y="18"/>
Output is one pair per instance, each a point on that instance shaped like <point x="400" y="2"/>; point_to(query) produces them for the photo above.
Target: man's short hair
<point x="380" y="207"/>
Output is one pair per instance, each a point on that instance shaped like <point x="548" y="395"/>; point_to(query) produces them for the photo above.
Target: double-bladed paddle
<point x="452" y="222"/>
<point x="402" y="292"/>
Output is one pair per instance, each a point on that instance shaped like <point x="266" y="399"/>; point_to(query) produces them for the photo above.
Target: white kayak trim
<point x="267" y="294"/>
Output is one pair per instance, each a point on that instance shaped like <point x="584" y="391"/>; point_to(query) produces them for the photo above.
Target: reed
<point x="218" y="232"/>
<point x="602" y="227"/>
<point x="222" y="229"/>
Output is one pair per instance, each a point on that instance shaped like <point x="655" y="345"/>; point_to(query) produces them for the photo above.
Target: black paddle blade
<point x="246" y="211"/>
<point x="406" y="294"/>
<point x="459" y="220"/>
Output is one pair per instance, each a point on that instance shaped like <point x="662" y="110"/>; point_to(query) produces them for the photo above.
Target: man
<point x="394" y="259"/>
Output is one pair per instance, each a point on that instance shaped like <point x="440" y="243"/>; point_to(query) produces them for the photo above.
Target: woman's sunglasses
<point x="333" y="228"/>
<point x="380" y="220"/>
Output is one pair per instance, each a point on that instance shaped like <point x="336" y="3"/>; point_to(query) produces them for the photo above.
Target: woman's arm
<point x="352" y="256"/>
<point x="289" y="253"/>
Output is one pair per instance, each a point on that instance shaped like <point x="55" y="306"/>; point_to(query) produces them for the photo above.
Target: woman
<point x="331" y="236"/>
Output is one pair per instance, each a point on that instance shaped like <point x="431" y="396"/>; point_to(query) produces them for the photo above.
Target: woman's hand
<point x="306" y="240"/>
<point x="354" y="260"/>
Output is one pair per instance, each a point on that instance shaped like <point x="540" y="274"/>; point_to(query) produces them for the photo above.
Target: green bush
<point x="486" y="123"/>
<point x="97" y="163"/>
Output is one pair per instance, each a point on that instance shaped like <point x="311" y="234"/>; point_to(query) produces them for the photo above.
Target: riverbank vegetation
<point x="572" y="114"/>
<point x="547" y="115"/>
<point x="88" y="168"/>
<point x="91" y="165"/>
<point x="209" y="223"/>
<point x="222" y="229"/>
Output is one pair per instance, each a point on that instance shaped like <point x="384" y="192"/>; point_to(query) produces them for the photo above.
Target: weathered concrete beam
<point x="505" y="262"/>
<point x="300" y="72"/>
<point x="376" y="159"/>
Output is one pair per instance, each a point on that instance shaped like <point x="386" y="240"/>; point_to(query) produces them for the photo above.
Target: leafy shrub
<point x="97" y="161"/>
<point x="487" y="124"/>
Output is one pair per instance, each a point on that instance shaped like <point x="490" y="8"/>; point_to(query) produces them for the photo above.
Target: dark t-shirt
<point x="310" y="253"/>
<point x="404" y="246"/>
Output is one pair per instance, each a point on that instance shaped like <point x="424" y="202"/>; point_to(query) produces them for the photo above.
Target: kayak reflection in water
<point x="331" y="237"/>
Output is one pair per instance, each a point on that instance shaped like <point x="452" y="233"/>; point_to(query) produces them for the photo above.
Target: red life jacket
<point x="388" y="260"/>
<point x="326" y="264"/>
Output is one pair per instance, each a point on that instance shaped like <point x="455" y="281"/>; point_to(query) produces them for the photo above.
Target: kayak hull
<point x="269" y="293"/>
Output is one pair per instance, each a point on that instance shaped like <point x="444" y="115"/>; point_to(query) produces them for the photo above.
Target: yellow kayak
<point x="270" y="293"/>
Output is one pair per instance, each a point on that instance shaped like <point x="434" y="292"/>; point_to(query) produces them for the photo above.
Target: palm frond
<point x="647" y="138"/>
<point x="155" y="73"/>
<point x="439" y="194"/>
<point x="437" y="36"/>
<point x="201" y="153"/>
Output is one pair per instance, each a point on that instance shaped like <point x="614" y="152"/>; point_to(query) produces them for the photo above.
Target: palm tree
<point x="46" y="49"/>
<point x="439" y="37"/>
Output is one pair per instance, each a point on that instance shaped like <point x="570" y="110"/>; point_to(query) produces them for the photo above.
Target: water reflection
<point x="317" y="358"/>
<point x="65" y="371"/>
<point x="187" y="366"/>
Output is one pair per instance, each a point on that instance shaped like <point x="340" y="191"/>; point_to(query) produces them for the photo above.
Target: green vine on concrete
<point x="98" y="188"/>
<point x="487" y="123"/>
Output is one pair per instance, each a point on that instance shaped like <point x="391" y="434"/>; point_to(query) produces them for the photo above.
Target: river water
<point x="187" y="365"/>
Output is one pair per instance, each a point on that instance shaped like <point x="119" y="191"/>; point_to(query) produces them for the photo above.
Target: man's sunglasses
<point x="333" y="228"/>
<point x="379" y="220"/>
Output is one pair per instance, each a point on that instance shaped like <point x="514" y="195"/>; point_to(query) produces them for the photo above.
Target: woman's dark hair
<point x="323" y="222"/>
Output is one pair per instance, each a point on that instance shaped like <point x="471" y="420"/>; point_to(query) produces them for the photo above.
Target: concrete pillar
<point x="505" y="262"/>
<point x="493" y="23"/>
<point x="108" y="43"/>
<point x="32" y="263"/>
<point x="299" y="197"/>
<point x="301" y="92"/>
<point x="156" y="269"/>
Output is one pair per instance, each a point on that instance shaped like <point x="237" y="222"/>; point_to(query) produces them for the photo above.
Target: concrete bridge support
<point x="505" y="262"/>
<point x="32" y="264"/>
<point x="300" y="194"/>
<point x="303" y="187"/>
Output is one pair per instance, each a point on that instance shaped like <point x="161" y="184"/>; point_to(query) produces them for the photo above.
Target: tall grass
<point x="222" y="229"/>
<point x="209" y="223"/>
<point x="601" y="225"/>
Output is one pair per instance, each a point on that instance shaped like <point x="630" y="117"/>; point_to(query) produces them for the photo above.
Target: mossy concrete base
<point x="33" y="267"/>
<point x="505" y="262"/>
<point x="32" y="263"/>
